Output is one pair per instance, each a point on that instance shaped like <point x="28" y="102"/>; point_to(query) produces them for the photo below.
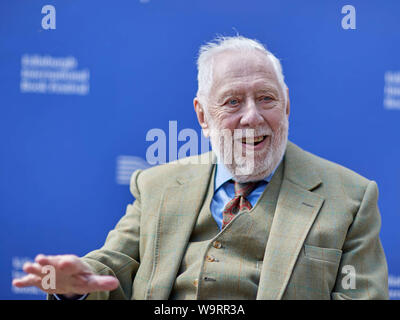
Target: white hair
<point x="220" y="44"/>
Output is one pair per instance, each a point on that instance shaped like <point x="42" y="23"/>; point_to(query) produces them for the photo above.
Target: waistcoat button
<point x="217" y="244"/>
<point x="210" y="258"/>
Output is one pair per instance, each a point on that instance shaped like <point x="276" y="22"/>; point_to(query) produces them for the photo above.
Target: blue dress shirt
<point x="224" y="191"/>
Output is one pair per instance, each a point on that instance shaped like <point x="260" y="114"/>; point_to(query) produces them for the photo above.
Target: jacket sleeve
<point x="363" y="272"/>
<point x="119" y="255"/>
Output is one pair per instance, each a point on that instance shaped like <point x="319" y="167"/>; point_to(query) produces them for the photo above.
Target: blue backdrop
<point x="78" y="98"/>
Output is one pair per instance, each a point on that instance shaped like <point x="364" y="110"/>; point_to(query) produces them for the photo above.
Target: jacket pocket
<point x="314" y="274"/>
<point x="323" y="254"/>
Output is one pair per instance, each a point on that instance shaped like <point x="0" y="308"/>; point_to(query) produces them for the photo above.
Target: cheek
<point x="226" y="120"/>
<point x="274" y="118"/>
<point x="230" y="122"/>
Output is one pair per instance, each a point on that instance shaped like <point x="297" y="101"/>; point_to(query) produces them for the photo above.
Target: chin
<point x="256" y="170"/>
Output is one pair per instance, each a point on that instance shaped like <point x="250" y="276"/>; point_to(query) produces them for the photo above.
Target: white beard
<point x="245" y="165"/>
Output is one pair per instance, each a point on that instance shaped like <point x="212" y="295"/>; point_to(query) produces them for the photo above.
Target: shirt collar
<point x="223" y="175"/>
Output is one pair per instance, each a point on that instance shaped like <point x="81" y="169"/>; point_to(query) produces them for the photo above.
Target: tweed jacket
<point x="323" y="242"/>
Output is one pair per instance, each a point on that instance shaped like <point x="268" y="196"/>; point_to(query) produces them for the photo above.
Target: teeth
<point x="253" y="140"/>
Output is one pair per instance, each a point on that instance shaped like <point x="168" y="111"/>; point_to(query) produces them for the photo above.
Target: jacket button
<point x="217" y="244"/>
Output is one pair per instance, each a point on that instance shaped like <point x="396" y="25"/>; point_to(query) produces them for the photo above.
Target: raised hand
<point x="72" y="276"/>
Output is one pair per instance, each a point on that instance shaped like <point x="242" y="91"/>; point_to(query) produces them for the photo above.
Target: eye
<point x="266" y="99"/>
<point x="233" y="102"/>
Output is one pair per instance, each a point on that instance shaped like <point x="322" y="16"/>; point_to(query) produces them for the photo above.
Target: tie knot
<point x="244" y="189"/>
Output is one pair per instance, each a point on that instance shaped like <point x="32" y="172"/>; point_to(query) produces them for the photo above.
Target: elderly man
<point x="273" y="222"/>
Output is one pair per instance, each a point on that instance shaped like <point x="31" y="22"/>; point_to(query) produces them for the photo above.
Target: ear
<point x="201" y="118"/>
<point x="287" y="103"/>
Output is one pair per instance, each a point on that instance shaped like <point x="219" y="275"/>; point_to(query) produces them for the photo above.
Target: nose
<point x="251" y="116"/>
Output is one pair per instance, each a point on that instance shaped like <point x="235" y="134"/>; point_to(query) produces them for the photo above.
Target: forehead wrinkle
<point x="239" y="78"/>
<point x="248" y="68"/>
<point x="232" y="62"/>
<point x="244" y="74"/>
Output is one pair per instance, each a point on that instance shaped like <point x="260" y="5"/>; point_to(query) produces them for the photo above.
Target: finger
<point x="28" y="281"/>
<point x="67" y="263"/>
<point x="47" y="260"/>
<point x="33" y="268"/>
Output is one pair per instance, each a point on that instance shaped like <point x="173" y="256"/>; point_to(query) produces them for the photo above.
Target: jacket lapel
<point x="179" y="209"/>
<point x="295" y="212"/>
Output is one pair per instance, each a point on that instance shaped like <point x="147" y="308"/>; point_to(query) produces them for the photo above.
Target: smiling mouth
<point x="253" y="141"/>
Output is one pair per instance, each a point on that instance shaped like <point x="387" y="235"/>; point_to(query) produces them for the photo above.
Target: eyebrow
<point x="237" y="91"/>
<point x="230" y="92"/>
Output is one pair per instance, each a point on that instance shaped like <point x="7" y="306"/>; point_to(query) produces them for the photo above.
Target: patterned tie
<point x="239" y="202"/>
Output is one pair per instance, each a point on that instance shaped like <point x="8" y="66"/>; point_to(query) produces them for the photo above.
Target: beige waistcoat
<point x="226" y="264"/>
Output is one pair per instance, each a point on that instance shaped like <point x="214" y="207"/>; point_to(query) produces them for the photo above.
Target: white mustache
<point x="244" y="133"/>
<point x="251" y="133"/>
